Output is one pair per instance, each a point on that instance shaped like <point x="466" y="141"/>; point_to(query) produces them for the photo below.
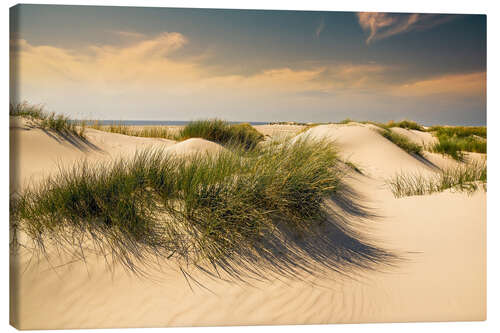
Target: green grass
<point x="222" y="132"/>
<point x="144" y="132"/>
<point x="214" y="130"/>
<point x="408" y="124"/>
<point x="57" y="123"/>
<point x="454" y="140"/>
<point x="465" y="178"/>
<point x="402" y="142"/>
<point x="346" y="121"/>
<point x="354" y="167"/>
<point x="459" y="131"/>
<point x="204" y="209"/>
<point x="455" y="146"/>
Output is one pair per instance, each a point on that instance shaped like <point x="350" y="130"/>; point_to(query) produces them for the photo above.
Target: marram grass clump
<point x="407" y="124"/>
<point x="219" y="131"/>
<point x="222" y="132"/>
<point x="143" y="132"/>
<point x="57" y="123"/>
<point x="402" y="142"/>
<point x="455" y="140"/>
<point x="226" y="211"/>
<point x="463" y="178"/>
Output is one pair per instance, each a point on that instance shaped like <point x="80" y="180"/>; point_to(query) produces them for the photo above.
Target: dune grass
<point x="203" y="209"/>
<point x="354" y="167"/>
<point x="402" y="142"/>
<point x="465" y="178"/>
<point x="143" y="132"/>
<point x="57" y="123"/>
<point x="407" y="124"/>
<point x="215" y="130"/>
<point x="222" y="132"/>
<point x="455" y="146"/>
<point x="459" y="131"/>
<point x="454" y="140"/>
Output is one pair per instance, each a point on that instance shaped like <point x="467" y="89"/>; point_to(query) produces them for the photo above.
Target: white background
<point x="491" y="8"/>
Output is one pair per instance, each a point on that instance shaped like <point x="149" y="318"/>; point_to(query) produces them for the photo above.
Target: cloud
<point x="320" y="28"/>
<point x="128" y="34"/>
<point x="384" y="25"/>
<point x="463" y="85"/>
<point x="148" y="64"/>
<point x="101" y="65"/>
<point x="149" y="79"/>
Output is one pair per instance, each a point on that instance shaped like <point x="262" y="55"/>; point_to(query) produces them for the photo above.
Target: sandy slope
<point x="443" y="237"/>
<point x="364" y="146"/>
<point x="422" y="138"/>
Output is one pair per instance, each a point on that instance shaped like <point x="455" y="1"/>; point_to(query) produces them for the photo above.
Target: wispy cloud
<point x="320" y="27"/>
<point x="384" y="25"/>
<point x="128" y="34"/>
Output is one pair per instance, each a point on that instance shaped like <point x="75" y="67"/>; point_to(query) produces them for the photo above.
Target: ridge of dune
<point x="424" y="139"/>
<point x="194" y="146"/>
<point x="364" y="146"/>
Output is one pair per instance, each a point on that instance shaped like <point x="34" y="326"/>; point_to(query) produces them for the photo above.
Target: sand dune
<point x="194" y="146"/>
<point x="364" y="146"/>
<point x="425" y="139"/>
<point x="441" y="236"/>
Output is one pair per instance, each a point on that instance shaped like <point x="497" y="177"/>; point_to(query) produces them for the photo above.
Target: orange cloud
<point x="145" y="68"/>
<point x="472" y="84"/>
<point x="147" y="64"/>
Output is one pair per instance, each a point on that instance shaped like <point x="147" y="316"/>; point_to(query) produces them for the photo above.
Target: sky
<point x="132" y="63"/>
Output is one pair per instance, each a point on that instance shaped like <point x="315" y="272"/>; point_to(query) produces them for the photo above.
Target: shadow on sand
<point x="81" y="143"/>
<point x="339" y="242"/>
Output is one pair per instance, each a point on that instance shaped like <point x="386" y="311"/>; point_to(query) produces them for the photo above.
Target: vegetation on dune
<point x="203" y="209"/>
<point x="222" y="132"/>
<point x="25" y="109"/>
<point x="57" y="123"/>
<point x="354" y="167"/>
<point x="143" y="132"/>
<point x="459" y="131"/>
<point x="455" y="146"/>
<point x="346" y="121"/>
<point x="454" y="140"/>
<point x="407" y="124"/>
<point x="466" y="178"/>
<point x="213" y="130"/>
<point x="402" y="142"/>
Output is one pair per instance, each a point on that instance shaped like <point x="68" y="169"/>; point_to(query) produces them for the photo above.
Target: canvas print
<point x="211" y="167"/>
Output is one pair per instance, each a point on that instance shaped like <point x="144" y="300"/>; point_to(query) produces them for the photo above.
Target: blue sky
<point x="183" y="64"/>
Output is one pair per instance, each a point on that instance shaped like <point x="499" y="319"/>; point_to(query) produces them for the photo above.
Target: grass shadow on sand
<point x="340" y="241"/>
<point x="79" y="142"/>
<point x="236" y="216"/>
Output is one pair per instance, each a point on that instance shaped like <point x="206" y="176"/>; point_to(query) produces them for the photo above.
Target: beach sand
<point x="442" y="238"/>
